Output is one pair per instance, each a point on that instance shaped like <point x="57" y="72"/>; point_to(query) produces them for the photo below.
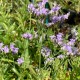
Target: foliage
<point x="31" y="50"/>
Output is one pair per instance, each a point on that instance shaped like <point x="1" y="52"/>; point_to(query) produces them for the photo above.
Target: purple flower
<point x="60" y="18"/>
<point x="67" y="48"/>
<point x="55" y="19"/>
<point x="63" y="47"/>
<point x="59" y="38"/>
<point x="53" y="38"/>
<point x="27" y="35"/>
<point x="40" y="4"/>
<point x="5" y="49"/>
<point x="44" y="1"/>
<point x="56" y="8"/>
<point x="43" y="11"/>
<point x="71" y="42"/>
<point x="48" y="60"/>
<point x="20" y="60"/>
<point x="13" y="48"/>
<point x="37" y="12"/>
<point x="60" y="56"/>
<point x="45" y="52"/>
<point x="12" y="45"/>
<point x="31" y="7"/>
<point x="60" y="42"/>
<point x="59" y="35"/>
<point x="66" y="16"/>
<point x="40" y="10"/>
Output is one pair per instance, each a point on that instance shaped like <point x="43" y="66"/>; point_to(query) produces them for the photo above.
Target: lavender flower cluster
<point x="53" y="12"/>
<point x="68" y="46"/>
<point x="46" y="52"/>
<point x="6" y="49"/>
<point x="27" y="36"/>
<point x="40" y="10"/>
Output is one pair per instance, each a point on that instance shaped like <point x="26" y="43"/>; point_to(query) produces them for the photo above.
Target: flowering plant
<point x="36" y="42"/>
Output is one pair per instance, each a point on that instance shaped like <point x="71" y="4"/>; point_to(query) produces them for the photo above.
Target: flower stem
<point x="30" y="20"/>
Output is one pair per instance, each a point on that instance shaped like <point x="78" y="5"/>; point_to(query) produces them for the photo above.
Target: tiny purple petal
<point x="20" y="60"/>
<point x="43" y="11"/>
<point x="15" y="50"/>
<point x="69" y="48"/>
<point x="44" y="1"/>
<point x="31" y="7"/>
<point x="48" y="60"/>
<point x="71" y="42"/>
<point x="59" y="35"/>
<point x="12" y="45"/>
<point x="55" y="19"/>
<point x="60" y="56"/>
<point x="66" y="16"/>
<point x="60" y="43"/>
<point x="6" y="49"/>
<point x="53" y="38"/>
<point x="27" y="35"/>
<point x="56" y="8"/>
<point x="45" y="52"/>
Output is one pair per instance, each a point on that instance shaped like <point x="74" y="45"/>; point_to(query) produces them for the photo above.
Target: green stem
<point x="39" y="61"/>
<point x="26" y="54"/>
<point x="30" y="20"/>
<point x="40" y="45"/>
<point x="15" y="71"/>
<point x="7" y="60"/>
